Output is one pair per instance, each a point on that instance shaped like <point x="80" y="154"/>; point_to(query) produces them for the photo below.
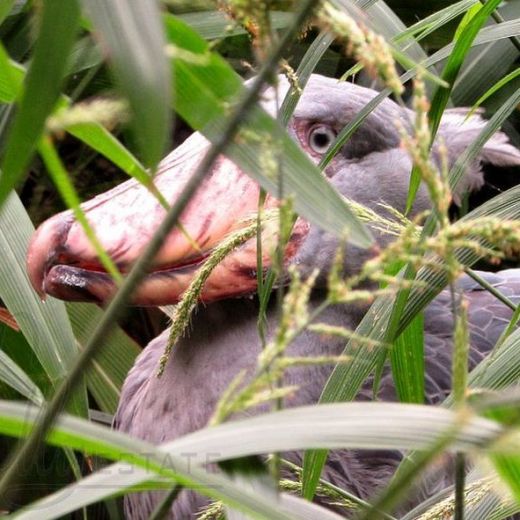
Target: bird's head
<point x="370" y="168"/>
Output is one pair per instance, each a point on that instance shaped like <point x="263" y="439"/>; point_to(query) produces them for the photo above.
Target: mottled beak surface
<point x="62" y="262"/>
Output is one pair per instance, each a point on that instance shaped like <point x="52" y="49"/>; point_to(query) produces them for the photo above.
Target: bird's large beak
<point x="62" y="262"/>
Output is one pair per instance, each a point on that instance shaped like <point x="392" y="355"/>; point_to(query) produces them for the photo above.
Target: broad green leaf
<point x="11" y="78"/>
<point x="58" y="27"/>
<point x="83" y="435"/>
<point x="205" y="85"/>
<point x="347" y="425"/>
<point x="132" y="34"/>
<point x="346" y="379"/>
<point x="45" y="325"/>
<point x="450" y="72"/>
<point x="111" y="366"/>
<point x="407" y="359"/>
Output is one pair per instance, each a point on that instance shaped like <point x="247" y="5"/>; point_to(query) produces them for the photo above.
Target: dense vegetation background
<point x="81" y="111"/>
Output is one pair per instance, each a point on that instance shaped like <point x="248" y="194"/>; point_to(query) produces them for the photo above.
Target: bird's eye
<point x="320" y="138"/>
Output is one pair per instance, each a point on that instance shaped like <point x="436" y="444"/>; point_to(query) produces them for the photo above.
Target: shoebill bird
<point x="371" y="168"/>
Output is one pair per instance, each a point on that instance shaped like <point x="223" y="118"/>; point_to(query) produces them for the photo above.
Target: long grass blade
<point x="44" y="324"/>
<point x="450" y="72"/>
<point x="26" y="452"/>
<point x="14" y="376"/>
<point x="58" y="27"/>
<point x="132" y="34"/>
<point x="348" y="425"/>
<point x="204" y="86"/>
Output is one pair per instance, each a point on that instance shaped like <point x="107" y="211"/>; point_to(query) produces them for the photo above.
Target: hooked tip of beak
<point x="43" y="249"/>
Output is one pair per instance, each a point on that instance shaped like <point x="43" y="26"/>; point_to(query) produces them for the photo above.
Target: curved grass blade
<point x="59" y="23"/>
<point x="346" y="379"/>
<point x="5" y="9"/>
<point x="204" y="86"/>
<point x="14" y="376"/>
<point x="449" y="74"/>
<point x="347" y="425"/>
<point x="132" y="33"/>
<point x="44" y="324"/>
<point x="486" y="35"/>
<point x="407" y="360"/>
<point x="436" y="20"/>
<point x="306" y="67"/>
<point x="213" y="25"/>
<point x="11" y="77"/>
<point x="495" y="88"/>
<point x="388" y="24"/>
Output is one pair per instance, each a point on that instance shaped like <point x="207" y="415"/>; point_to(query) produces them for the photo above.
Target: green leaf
<point x="14" y="344"/>
<point x="205" y="85"/>
<point x="132" y="34"/>
<point x="435" y="21"/>
<point x="450" y="72"/>
<point x="508" y="467"/>
<point x="495" y="88"/>
<point x="306" y="67"/>
<point x="45" y="325"/>
<point x="349" y="425"/>
<point x="5" y="9"/>
<point x="407" y="359"/>
<point x="59" y="23"/>
<point x="11" y="78"/>
<point x="91" y="133"/>
<point x="466" y="19"/>
<point x="16" y="378"/>
<point x="347" y="378"/>
<point x="102" y="141"/>
<point x="112" y="364"/>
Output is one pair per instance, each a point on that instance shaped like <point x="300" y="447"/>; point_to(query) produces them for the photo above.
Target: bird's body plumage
<point x="224" y="340"/>
<point x="370" y="169"/>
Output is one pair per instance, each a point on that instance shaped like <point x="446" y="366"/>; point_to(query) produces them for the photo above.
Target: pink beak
<point x="62" y="262"/>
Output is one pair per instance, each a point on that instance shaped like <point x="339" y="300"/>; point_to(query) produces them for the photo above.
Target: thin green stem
<point x="460" y="484"/>
<point x="490" y="289"/>
<point x="25" y="454"/>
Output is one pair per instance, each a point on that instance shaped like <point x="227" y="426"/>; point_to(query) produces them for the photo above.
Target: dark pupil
<point x="321" y="139"/>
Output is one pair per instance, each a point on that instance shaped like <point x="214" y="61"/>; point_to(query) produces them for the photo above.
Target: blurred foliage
<point x="88" y="75"/>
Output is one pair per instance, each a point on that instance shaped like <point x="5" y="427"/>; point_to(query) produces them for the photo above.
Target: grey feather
<point x="224" y="340"/>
